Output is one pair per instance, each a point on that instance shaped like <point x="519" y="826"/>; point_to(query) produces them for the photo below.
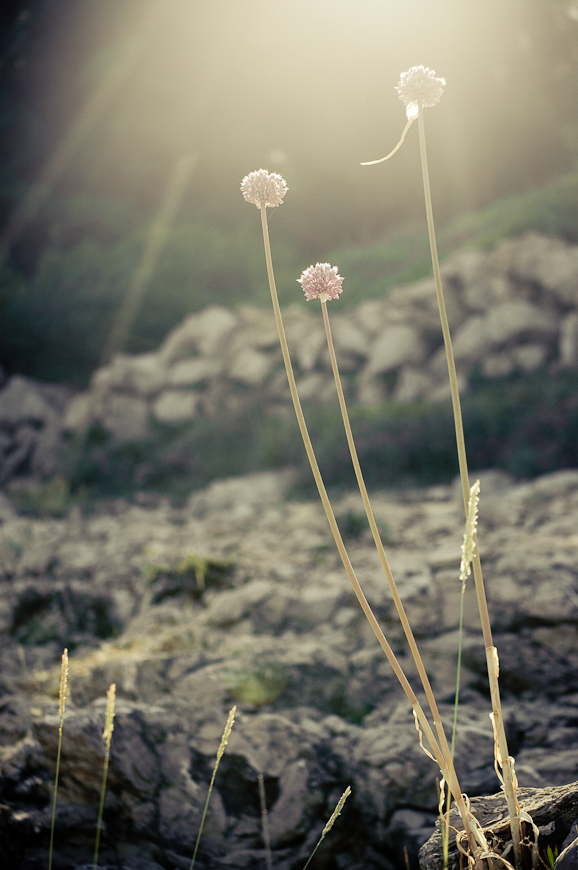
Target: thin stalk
<point x="379" y="546"/>
<point x="491" y="654"/>
<point x="265" y="821"/>
<point x="61" y="709"/>
<point x="107" y="735"/>
<point x="449" y="774"/>
<point x="220" y="751"/>
<point x="445" y="829"/>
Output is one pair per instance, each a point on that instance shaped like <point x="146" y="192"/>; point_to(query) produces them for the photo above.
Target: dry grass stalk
<point x="64" y="669"/>
<point x="220" y="752"/>
<point x="258" y="193"/>
<point x="491" y="652"/>
<point x="107" y="737"/>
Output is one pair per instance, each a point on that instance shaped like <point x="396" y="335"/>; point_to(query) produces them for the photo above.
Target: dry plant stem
<point x="50" y="848"/>
<point x="61" y="709"/>
<point x="449" y="774"/>
<point x="265" y="821"/>
<point x="397" y="147"/>
<point x="107" y="735"/>
<point x="509" y="781"/>
<point x="447" y="753"/>
<point x="101" y="808"/>
<point x="220" y="751"/>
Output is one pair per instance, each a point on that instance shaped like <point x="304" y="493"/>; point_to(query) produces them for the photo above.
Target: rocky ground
<point x="240" y="597"/>
<point x="512" y="310"/>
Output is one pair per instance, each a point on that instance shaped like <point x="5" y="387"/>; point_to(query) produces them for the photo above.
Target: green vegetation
<point x="526" y="425"/>
<point x="55" y="323"/>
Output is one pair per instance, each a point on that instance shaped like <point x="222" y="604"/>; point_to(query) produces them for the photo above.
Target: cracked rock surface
<point x="240" y="598"/>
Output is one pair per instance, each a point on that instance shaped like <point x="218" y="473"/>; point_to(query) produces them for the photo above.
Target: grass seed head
<point x="109" y="721"/>
<point x="226" y="733"/>
<point x="63" y="684"/>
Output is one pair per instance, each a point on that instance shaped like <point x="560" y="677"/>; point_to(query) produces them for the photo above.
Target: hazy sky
<point x="305" y="87"/>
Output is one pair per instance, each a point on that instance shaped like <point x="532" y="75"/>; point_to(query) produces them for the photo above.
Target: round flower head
<point x="420" y="87"/>
<point x="322" y="282"/>
<point x="262" y="187"/>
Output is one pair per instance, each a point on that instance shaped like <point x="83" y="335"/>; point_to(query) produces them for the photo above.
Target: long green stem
<point x="447" y="753"/>
<point x="448" y="773"/>
<point x="101" y="808"/>
<point x="491" y="655"/>
<point x="107" y="735"/>
<point x="61" y="710"/>
<point x="445" y="828"/>
<point x="54" y="799"/>
<point x="220" y="751"/>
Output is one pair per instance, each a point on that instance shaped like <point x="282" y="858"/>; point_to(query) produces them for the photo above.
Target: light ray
<point x="65" y="151"/>
<point x="156" y="239"/>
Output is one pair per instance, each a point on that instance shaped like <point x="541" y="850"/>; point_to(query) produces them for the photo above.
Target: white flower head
<point x="322" y="282"/>
<point x="264" y="188"/>
<point x="419" y="87"/>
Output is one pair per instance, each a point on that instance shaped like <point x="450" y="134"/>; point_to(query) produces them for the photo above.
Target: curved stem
<point x="509" y="776"/>
<point x="449" y="774"/>
<point x="397" y="147"/>
<point x="447" y="753"/>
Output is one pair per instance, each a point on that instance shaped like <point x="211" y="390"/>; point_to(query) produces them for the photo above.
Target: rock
<point x="143" y="373"/>
<point x="569" y="341"/>
<point x="348" y="337"/>
<point x="78" y="413"/>
<point x="370" y="315"/>
<point x="175" y="406"/>
<point x="22" y="401"/>
<point x="511" y="309"/>
<point x="239" y="598"/>
<point x="202" y="333"/>
<point x="471" y="342"/>
<point x="498" y="365"/>
<point x="258" y="489"/>
<point x="412" y="384"/>
<point x="31" y="427"/>
<point x="529" y="357"/>
<point x="316" y="386"/>
<point x="551" y="262"/>
<point x="125" y="417"/>
<point x="516" y="319"/>
<point x="394" y="347"/>
<point x="371" y="390"/>
<point x="568" y="858"/>
<point x="190" y="372"/>
<point x="547" y="807"/>
<point x="251" y="367"/>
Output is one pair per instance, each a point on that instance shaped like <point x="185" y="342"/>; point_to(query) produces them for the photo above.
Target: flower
<point x="321" y="281"/>
<point x="262" y="187"/>
<point x="420" y="87"/>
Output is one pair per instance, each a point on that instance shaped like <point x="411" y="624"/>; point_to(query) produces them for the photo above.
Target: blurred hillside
<point x="101" y="102"/>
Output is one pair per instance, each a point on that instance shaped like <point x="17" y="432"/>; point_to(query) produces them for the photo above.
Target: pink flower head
<point x="420" y="87"/>
<point x="262" y="187"/>
<point x="322" y="282"/>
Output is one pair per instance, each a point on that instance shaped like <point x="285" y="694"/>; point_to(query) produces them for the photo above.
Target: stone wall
<point x="513" y="308"/>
